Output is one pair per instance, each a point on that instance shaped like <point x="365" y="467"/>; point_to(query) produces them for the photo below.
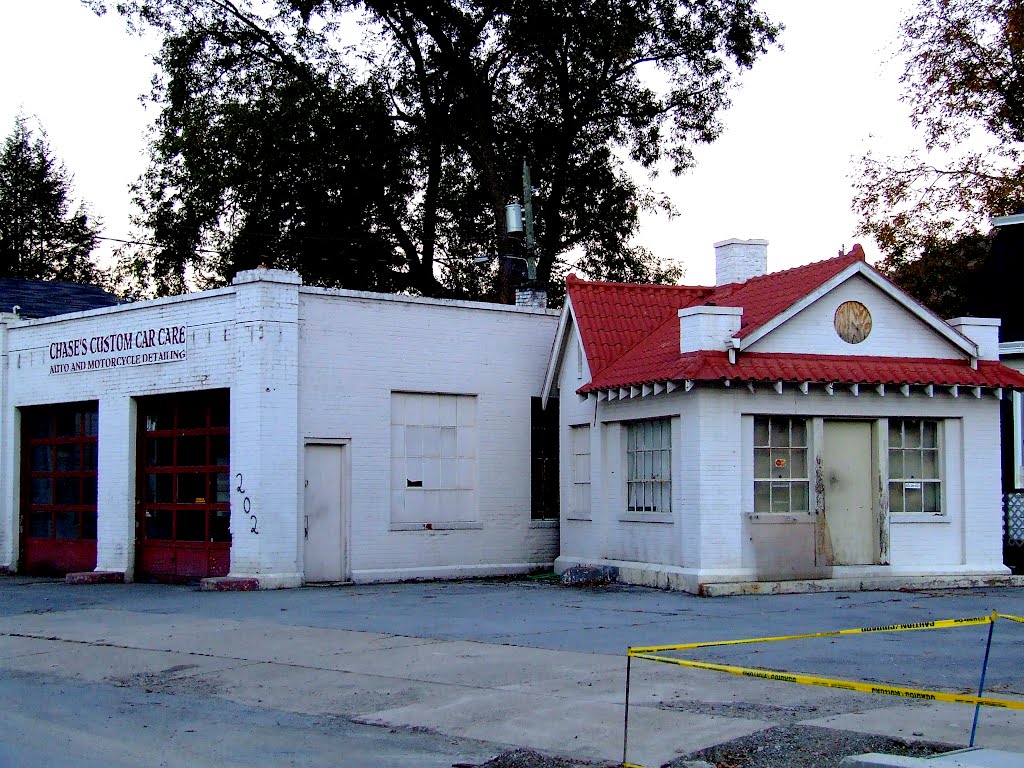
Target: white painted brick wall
<point x="306" y="364"/>
<point x="210" y="363"/>
<point x="355" y="350"/>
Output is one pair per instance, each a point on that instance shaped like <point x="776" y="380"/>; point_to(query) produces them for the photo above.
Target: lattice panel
<point x="1013" y="504"/>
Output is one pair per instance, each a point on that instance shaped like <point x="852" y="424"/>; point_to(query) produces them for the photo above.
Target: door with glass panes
<point x="183" y="491"/>
<point x="59" y="457"/>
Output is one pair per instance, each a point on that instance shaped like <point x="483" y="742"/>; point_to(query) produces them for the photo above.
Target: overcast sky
<point x="780" y="172"/>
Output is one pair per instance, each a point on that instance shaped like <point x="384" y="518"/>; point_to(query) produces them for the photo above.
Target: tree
<point x="42" y="237"/>
<point x="398" y="152"/>
<point x="964" y="84"/>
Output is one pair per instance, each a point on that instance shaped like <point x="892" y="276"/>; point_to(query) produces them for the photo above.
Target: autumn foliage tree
<point x="374" y="143"/>
<point x="964" y="83"/>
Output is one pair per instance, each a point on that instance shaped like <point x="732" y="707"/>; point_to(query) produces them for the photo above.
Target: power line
<point x="152" y="245"/>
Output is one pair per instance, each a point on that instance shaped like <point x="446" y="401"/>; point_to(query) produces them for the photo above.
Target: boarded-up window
<point x="433" y="458"/>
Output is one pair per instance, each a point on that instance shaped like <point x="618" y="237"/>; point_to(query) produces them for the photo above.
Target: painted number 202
<point x="247" y="505"/>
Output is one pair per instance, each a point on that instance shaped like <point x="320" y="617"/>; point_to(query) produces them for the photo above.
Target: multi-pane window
<point x="433" y="458"/>
<point x="780" y="464"/>
<point x="649" y="466"/>
<point x="61" y="445"/>
<point x="914" y="484"/>
<point x="579" y="442"/>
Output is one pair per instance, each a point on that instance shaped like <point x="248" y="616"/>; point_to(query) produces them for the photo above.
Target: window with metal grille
<point x="61" y="444"/>
<point x="780" y="465"/>
<point x="914" y="484"/>
<point x="649" y="466"/>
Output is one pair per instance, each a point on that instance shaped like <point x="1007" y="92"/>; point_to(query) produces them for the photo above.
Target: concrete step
<point x="975" y="757"/>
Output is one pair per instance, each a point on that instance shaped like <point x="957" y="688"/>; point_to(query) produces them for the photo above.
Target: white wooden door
<point x="325" y="513"/>
<point x="846" y="459"/>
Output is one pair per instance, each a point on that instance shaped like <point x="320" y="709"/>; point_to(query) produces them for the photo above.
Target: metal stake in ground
<point x="984" y="669"/>
<point x="625" y="719"/>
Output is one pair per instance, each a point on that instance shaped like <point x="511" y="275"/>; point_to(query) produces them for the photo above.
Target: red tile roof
<point x="820" y="369"/>
<point x="614" y="317"/>
<point x="630" y="335"/>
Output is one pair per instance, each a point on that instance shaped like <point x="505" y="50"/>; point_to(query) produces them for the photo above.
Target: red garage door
<point x="59" y="452"/>
<point x="183" y="491"/>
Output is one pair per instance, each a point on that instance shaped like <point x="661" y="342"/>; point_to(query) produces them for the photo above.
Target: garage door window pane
<point x="191" y="525"/>
<point x="67" y="525"/>
<point x="40" y="524"/>
<point x="159" y="524"/>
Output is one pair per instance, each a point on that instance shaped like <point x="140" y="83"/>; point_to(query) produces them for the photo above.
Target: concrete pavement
<point x="471" y="668"/>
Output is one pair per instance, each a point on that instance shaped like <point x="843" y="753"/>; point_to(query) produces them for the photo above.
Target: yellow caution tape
<point x="1011" y="618"/>
<point x="938" y="624"/>
<point x="827" y="682"/>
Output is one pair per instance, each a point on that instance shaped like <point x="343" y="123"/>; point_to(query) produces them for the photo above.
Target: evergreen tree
<point x="42" y="236"/>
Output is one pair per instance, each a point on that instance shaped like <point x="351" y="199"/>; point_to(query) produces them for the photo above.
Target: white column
<point x="116" y="490"/>
<point x="265" y="447"/>
<point x="10" y="450"/>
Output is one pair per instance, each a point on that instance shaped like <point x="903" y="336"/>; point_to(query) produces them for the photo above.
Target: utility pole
<point x="531" y="244"/>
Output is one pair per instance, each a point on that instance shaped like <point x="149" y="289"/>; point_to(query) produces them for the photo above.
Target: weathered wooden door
<point x="849" y="510"/>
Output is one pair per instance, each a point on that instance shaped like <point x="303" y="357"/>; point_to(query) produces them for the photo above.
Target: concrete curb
<point x="877" y="583"/>
<point x="95" y="577"/>
<point x="229" y="584"/>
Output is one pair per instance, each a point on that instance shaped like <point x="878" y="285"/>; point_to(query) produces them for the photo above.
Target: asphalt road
<point x="436" y="673"/>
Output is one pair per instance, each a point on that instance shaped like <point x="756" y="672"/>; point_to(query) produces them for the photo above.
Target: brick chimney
<point x="736" y="261"/>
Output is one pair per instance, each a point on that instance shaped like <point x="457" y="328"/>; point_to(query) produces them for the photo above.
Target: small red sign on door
<point x="780" y="463"/>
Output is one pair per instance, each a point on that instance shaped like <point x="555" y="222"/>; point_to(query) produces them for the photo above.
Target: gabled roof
<point x="613" y="317"/>
<point x="45" y="298"/>
<point x="630" y="334"/>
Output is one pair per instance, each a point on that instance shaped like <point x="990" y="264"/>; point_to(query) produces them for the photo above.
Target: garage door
<point x="59" y="453"/>
<point x="183" y="492"/>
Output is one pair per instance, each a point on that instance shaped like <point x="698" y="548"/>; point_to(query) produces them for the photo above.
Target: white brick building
<point x="275" y="433"/>
<point x="815" y="423"/>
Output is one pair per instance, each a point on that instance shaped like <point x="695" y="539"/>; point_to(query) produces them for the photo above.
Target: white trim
<point x="554" y="365"/>
<point x="924" y="314"/>
<point x="1018" y="435"/>
<point x="1011" y="348"/>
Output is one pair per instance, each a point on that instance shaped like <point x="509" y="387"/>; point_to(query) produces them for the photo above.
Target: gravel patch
<point x="527" y="758"/>
<point x="785" y="746"/>
<point x="805" y="746"/>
